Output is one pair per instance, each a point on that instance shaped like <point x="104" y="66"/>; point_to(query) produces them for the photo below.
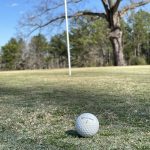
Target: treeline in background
<point x="90" y="46"/>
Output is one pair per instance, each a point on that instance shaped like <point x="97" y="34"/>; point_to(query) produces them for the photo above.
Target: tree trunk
<point x="116" y="40"/>
<point x="118" y="49"/>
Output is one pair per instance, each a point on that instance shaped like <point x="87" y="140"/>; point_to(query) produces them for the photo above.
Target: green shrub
<point x="137" y="61"/>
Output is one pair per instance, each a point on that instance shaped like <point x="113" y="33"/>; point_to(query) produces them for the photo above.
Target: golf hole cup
<point x="87" y="125"/>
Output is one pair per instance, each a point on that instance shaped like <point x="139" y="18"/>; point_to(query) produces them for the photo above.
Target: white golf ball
<point x="87" y="125"/>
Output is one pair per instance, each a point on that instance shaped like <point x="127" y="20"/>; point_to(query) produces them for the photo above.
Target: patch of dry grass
<point x="38" y="108"/>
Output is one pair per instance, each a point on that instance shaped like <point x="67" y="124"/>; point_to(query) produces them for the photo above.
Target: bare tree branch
<point x="133" y="6"/>
<point x="115" y="7"/>
<point x="47" y="9"/>
<point x="61" y="18"/>
<point x="45" y="15"/>
<point x="106" y="6"/>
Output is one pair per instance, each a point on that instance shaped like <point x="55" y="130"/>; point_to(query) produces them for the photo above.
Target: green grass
<point x="38" y="108"/>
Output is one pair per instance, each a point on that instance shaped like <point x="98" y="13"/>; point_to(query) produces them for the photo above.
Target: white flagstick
<point x="68" y="42"/>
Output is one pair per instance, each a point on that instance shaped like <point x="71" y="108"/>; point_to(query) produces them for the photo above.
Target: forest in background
<point x="90" y="45"/>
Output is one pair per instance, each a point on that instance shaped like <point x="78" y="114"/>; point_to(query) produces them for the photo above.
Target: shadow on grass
<point x="111" y="109"/>
<point x="73" y="133"/>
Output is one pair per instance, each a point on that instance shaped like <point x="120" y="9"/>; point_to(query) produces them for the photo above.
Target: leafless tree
<point x="49" y="12"/>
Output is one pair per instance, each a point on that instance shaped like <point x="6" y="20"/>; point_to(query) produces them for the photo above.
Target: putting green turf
<point x="38" y="108"/>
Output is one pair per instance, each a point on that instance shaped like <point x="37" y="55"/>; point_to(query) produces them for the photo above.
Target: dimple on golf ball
<point x="87" y="125"/>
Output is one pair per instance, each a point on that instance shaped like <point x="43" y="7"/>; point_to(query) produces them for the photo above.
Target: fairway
<point x="38" y="108"/>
